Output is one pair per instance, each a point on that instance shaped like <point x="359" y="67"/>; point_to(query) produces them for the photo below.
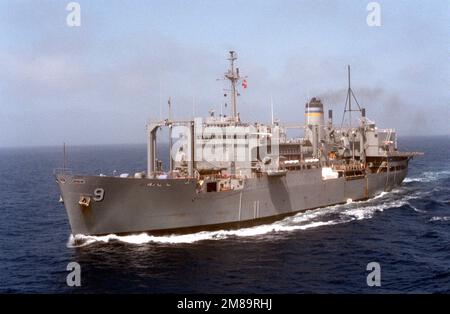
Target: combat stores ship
<point x="328" y="165"/>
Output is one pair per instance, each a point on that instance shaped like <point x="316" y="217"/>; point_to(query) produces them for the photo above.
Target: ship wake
<point x="326" y="216"/>
<point x="429" y="176"/>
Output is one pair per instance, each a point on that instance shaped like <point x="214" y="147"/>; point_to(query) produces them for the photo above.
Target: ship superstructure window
<point x="211" y="187"/>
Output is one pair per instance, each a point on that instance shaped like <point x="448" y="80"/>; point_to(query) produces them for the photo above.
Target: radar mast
<point x="233" y="76"/>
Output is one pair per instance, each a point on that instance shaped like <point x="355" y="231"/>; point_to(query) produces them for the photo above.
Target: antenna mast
<point x="160" y="100"/>
<point x="169" y="102"/>
<point x="271" y="109"/>
<point x="64" y="156"/>
<point x="349" y="98"/>
<point x="233" y="76"/>
<point x="348" y="101"/>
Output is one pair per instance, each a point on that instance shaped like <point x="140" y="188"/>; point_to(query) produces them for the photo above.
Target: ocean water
<point x="407" y="231"/>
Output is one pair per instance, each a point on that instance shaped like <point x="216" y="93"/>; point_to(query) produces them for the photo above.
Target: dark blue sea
<point x="406" y="231"/>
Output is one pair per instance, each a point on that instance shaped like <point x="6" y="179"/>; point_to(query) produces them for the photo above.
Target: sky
<point x="100" y="83"/>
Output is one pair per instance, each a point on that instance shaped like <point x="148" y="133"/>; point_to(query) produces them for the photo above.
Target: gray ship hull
<point x="132" y="205"/>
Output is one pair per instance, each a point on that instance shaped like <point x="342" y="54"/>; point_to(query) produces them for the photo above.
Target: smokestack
<point x="315" y="122"/>
<point x="314" y="112"/>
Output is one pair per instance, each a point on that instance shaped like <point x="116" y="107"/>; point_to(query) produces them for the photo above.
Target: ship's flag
<point x="244" y="84"/>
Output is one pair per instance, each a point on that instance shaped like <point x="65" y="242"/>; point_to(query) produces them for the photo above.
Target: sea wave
<point x="440" y="218"/>
<point x="418" y="210"/>
<point x="429" y="176"/>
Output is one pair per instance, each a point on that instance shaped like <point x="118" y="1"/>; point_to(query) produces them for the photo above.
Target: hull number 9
<point x="99" y="193"/>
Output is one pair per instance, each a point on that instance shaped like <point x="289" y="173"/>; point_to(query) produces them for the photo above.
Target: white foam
<point x="143" y="238"/>
<point x="382" y="194"/>
<point x="428" y="176"/>
<point x="440" y="218"/>
<point x="368" y="211"/>
<point x="418" y="210"/>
